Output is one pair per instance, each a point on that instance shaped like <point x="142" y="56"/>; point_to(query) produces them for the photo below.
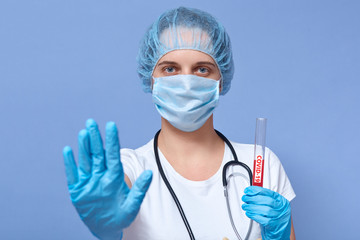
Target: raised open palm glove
<point x="271" y="210"/>
<point x="97" y="186"/>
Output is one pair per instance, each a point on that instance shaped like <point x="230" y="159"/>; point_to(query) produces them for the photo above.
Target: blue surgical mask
<point x="186" y="101"/>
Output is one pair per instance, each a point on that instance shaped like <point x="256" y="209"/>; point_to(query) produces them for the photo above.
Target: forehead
<point x="186" y="56"/>
<point x="185" y="38"/>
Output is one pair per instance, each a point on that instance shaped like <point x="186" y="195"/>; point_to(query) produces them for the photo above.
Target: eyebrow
<point x="167" y="62"/>
<point x="206" y="63"/>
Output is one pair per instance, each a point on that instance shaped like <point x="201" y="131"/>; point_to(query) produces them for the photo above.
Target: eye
<point x="169" y="69"/>
<point x="203" y="70"/>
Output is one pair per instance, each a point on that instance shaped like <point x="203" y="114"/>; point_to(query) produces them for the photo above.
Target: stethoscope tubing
<point x="177" y="202"/>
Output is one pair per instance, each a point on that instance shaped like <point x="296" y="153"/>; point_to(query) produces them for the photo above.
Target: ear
<point x="152" y="83"/>
<point x="220" y="85"/>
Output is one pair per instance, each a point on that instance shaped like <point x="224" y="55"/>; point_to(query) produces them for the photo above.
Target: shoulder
<point x="246" y="152"/>
<point x="243" y="147"/>
<point x="135" y="161"/>
<point x="138" y="153"/>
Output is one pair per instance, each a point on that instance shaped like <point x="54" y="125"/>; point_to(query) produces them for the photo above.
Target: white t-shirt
<point x="203" y="202"/>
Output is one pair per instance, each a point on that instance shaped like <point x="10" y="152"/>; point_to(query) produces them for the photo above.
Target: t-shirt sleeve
<point x="130" y="163"/>
<point x="278" y="180"/>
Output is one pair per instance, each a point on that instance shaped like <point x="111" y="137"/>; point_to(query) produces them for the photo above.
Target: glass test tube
<point x="259" y="152"/>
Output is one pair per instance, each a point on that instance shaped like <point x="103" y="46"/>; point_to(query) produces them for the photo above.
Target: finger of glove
<point x="260" y="210"/>
<point x="138" y="191"/>
<point x="261" y="200"/>
<point x="112" y="152"/>
<point x="263" y="221"/>
<point x="70" y="166"/>
<point x="84" y="154"/>
<point x="255" y="190"/>
<point x="96" y="147"/>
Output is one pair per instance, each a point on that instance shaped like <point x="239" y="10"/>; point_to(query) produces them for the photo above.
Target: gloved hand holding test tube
<point x="270" y="209"/>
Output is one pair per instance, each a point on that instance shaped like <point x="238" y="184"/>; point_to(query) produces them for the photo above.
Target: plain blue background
<point x="61" y="62"/>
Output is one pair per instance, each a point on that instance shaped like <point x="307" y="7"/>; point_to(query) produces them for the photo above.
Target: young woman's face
<point x="186" y="61"/>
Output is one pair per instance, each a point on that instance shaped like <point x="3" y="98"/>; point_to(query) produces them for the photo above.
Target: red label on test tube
<point x="258" y="172"/>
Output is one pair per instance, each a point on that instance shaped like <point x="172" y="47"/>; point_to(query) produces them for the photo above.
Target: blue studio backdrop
<point x="62" y="62"/>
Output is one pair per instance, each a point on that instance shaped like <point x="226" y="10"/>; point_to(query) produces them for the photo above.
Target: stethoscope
<point x="224" y="180"/>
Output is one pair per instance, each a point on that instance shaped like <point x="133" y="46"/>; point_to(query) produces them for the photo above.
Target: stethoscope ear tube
<point x="232" y="163"/>
<point x="225" y="183"/>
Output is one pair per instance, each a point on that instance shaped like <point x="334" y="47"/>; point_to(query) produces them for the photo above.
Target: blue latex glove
<point x="270" y="209"/>
<point x="97" y="186"/>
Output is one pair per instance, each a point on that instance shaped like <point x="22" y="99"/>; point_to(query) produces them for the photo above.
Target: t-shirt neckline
<point x="204" y="183"/>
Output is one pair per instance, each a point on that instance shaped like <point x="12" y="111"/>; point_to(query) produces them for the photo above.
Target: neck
<point x="192" y="152"/>
<point x="170" y="134"/>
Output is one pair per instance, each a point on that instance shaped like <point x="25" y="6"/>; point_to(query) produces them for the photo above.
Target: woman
<point x="185" y="61"/>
